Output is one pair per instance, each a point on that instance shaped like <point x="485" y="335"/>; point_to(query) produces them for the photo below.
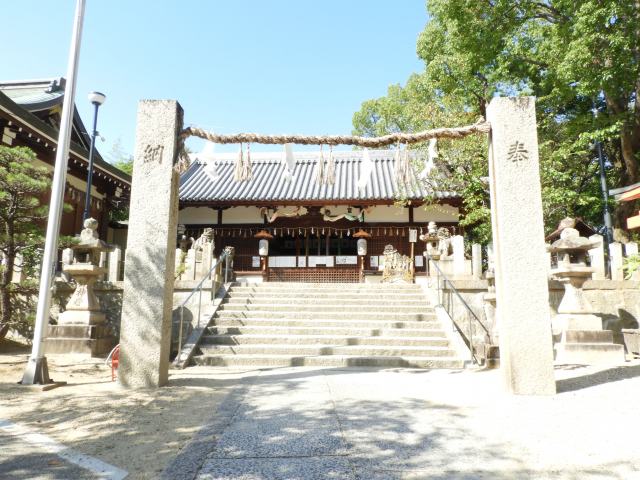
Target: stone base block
<point x="588" y="336"/>
<point x="78" y="331"/>
<point x="632" y="340"/>
<point x="81" y="317"/>
<point x="93" y="340"/>
<point x="492" y="356"/>
<point x="576" y="321"/>
<point x="590" y="353"/>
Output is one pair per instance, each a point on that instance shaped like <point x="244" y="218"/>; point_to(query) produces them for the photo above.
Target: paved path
<point x="373" y="425"/>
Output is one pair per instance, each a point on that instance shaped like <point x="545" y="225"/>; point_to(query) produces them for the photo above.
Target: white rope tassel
<point x="397" y="161"/>
<point x="247" y="170"/>
<point x="366" y="168"/>
<point x="405" y="172"/>
<point x="288" y="161"/>
<point x="237" y="171"/>
<point x="432" y="154"/>
<point x="211" y="170"/>
<point x="320" y="168"/>
<point x="330" y="174"/>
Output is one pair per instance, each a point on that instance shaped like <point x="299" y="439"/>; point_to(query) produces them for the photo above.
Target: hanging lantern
<point x="362" y="246"/>
<point x="263" y="247"/>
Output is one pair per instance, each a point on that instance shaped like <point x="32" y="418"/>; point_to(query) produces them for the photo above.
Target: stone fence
<point x="110" y="295"/>
<point x="616" y="302"/>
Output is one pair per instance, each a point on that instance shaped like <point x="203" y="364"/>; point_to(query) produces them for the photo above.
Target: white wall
<point x="206" y="215"/>
<point x="378" y="213"/>
<point x="387" y="213"/>
<point x="236" y="215"/>
<point x="435" y="213"/>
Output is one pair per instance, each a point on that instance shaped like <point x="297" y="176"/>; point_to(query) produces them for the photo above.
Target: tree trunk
<point x="5" y="280"/>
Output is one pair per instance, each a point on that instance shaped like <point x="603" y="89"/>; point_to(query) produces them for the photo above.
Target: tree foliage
<point x="578" y="58"/>
<point x="22" y="184"/>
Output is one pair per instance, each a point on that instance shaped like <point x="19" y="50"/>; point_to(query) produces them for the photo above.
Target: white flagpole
<point x="37" y="371"/>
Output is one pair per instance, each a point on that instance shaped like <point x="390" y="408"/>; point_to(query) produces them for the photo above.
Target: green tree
<point x="119" y="158"/>
<point x="574" y="56"/>
<point x="22" y="184"/>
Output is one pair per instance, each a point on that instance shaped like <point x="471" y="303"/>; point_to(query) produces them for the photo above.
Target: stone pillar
<point x="67" y="259"/>
<point x="207" y="260"/>
<point x="103" y="264"/>
<point x="114" y="264"/>
<point x="615" y="258"/>
<point x="476" y="260"/>
<point x="522" y="289"/>
<point x="631" y="248"/>
<point x="178" y="264"/>
<point x="150" y="256"/>
<point x="597" y="258"/>
<point x="457" y="244"/>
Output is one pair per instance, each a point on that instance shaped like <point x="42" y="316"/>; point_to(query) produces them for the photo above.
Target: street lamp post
<point x="37" y="371"/>
<point x="97" y="99"/>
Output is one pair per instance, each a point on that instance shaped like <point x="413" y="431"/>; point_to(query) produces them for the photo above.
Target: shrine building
<point x="312" y="223"/>
<point x="30" y="114"/>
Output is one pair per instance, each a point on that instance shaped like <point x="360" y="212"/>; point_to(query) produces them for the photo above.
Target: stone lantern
<point x="81" y="327"/>
<point x="83" y="307"/>
<point x="580" y="333"/>
<point x="263" y="251"/>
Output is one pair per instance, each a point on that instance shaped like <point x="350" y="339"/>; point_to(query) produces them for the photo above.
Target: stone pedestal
<point x="83" y="307"/>
<point x="93" y="340"/>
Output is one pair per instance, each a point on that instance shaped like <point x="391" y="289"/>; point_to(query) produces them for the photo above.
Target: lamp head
<point x="97" y="98"/>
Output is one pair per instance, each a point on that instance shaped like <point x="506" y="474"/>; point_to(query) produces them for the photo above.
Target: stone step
<point x="350" y="331"/>
<point x="328" y="300"/>
<point x="589" y="336"/>
<point x="89" y="346"/>
<point x="322" y="349"/>
<point x="337" y="315"/>
<point x="289" y="322"/>
<point x="436" y="338"/>
<point x="302" y="285"/>
<point x="590" y="353"/>
<point x="343" y="309"/>
<point x="335" y="361"/>
<point x="299" y="288"/>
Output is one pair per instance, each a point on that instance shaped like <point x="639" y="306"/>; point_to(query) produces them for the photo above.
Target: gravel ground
<point x="447" y="425"/>
<point x="304" y="423"/>
<point x="138" y="431"/>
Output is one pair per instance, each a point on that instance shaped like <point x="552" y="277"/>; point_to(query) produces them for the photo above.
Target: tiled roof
<point x="30" y="102"/>
<point x="34" y="95"/>
<point x="212" y="180"/>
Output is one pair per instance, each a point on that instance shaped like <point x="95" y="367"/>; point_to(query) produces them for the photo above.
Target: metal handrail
<point x="224" y="257"/>
<point x="470" y="326"/>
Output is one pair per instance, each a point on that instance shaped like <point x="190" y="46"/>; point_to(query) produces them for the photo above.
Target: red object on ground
<point x="115" y="359"/>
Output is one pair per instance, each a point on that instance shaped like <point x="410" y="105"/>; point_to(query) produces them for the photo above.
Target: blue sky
<point x="280" y="66"/>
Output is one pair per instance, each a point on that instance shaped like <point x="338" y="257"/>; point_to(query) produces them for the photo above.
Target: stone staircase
<point x="333" y="325"/>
